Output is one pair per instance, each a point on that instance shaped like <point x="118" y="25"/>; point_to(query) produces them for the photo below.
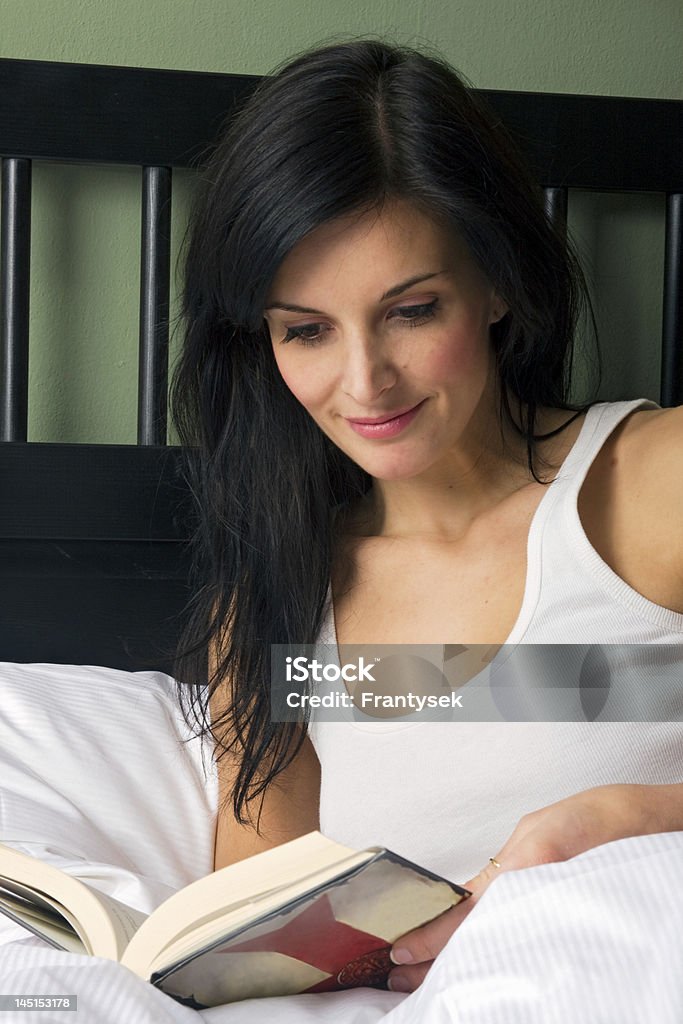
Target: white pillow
<point x="93" y="768"/>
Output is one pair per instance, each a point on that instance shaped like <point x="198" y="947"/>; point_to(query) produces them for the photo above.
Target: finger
<point x="483" y="879"/>
<point x="426" y="942"/>
<point x="514" y="854"/>
<point x="415" y="951"/>
<point x="408" y="978"/>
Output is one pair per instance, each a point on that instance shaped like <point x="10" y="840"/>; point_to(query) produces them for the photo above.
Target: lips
<point x="382" y="419"/>
<point x="386" y="426"/>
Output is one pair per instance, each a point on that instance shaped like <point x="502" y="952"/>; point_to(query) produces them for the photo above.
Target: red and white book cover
<point x="336" y="936"/>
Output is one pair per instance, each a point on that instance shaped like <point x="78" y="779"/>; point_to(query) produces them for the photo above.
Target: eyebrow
<point x="397" y="289"/>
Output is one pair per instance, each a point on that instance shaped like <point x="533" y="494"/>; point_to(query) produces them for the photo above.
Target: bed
<point x="94" y="579"/>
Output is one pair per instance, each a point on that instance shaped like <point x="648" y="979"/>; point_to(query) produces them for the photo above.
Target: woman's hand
<point x="553" y="833"/>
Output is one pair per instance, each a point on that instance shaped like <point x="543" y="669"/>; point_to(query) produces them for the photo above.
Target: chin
<point x="385" y="462"/>
<point x="393" y="469"/>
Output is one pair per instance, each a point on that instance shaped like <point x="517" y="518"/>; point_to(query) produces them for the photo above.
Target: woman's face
<point x="380" y="328"/>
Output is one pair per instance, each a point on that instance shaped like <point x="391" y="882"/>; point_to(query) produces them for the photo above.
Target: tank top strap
<point x="601" y="420"/>
<point x="578" y="594"/>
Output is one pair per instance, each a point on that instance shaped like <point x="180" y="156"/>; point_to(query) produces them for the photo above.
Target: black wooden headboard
<point x="93" y="553"/>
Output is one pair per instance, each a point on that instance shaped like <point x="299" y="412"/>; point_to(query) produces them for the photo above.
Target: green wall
<point x="86" y="221"/>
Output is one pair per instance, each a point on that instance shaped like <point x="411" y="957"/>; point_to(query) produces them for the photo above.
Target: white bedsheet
<point x="94" y="778"/>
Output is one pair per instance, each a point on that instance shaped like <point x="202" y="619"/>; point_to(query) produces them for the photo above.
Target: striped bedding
<point x="95" y="778"/>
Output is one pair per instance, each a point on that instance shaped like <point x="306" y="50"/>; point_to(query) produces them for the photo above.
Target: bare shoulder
<point x="652" y="454"/>
<point x="631" y="504"/>
<point x="653" y="444"/>
<point x="659" y="422"/>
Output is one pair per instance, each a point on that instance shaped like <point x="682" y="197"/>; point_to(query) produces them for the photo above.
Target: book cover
<point x="334" y="937"/>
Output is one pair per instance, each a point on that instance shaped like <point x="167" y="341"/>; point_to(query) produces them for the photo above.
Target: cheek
<point x="305" y="382"/>
<point x="455" y="355"/>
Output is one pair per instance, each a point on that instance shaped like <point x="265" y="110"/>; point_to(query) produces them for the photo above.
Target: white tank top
<point x="447" y="794"/>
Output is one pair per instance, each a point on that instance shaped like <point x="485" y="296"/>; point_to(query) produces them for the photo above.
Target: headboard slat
<point x="155" y="268"/>
<point x="672" y="318"/>
<point x="94" y="554"/>
<point x="97" y="113"/>
<point x="85" y="603"/>
<point x="92" y="492"/>
<point x="556" y="204"/>
<point x="147" y="116"/>
<point x="14" y="299"/>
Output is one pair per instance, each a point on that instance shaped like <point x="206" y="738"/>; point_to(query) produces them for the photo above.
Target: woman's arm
<point x="554" y="833"/>
<point x="290" y="807"/>
<point x="289" y="810"/>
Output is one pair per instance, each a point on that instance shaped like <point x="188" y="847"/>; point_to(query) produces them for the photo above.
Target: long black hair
<point x="339" y="129"/>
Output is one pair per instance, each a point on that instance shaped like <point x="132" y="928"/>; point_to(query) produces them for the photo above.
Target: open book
<point x="308" y="916"/>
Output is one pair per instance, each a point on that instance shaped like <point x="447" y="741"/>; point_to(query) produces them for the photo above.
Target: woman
<point x="377" y="373"/>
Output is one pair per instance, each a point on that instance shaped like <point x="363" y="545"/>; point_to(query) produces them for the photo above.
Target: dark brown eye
<point x="417" y="314"/>
<point x="306" y="334"/>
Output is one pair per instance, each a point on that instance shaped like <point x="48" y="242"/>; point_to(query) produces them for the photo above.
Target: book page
<point x="33" y="905"/>
<point x="104" y="924"/>
<point x="232" y="891"/>
<point x="24" y="900"/>
<point x="48" y="926"/>
<point x="125" y="921"/>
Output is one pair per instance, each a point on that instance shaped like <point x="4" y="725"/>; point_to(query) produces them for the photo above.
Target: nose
<point x="368" y="371"/>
